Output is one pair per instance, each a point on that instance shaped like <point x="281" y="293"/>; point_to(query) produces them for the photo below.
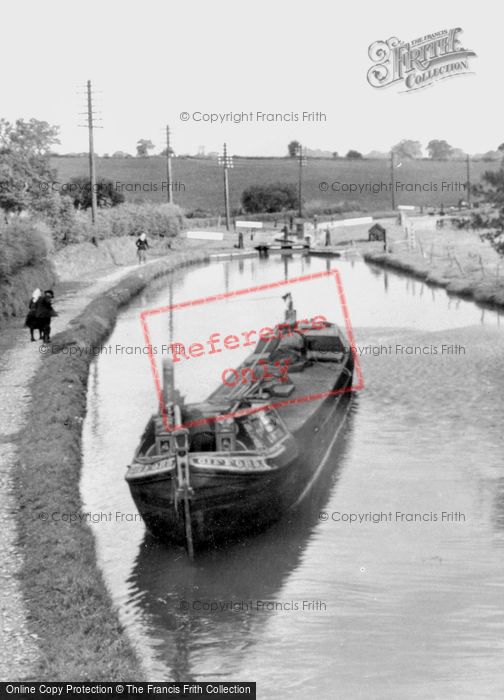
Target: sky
<point x="150" y="61"/>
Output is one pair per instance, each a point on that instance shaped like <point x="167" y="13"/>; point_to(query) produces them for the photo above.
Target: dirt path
<point x="19" y="359"/>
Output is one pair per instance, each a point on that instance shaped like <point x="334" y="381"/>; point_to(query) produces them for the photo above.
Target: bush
<point x="198" y="213"/>
<point x="79" y="190"/>
<point x="272" y="198"/>
<point x="22" y="243"/>
<point x="155" y="220"/>
<point x="69" y="225"/>
<point x="61" y="217"/>
<point x="24" y="265"/>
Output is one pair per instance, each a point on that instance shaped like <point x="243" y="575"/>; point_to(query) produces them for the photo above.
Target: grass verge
<point x="483" y="287"/>
<point x="69" y="607"/>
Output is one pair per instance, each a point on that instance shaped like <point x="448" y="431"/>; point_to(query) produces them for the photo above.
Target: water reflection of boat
<point x="204" y="616"/>
<point x="253" y="449"/>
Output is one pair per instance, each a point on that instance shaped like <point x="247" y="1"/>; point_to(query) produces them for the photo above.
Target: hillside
<point x="198" y="182"/>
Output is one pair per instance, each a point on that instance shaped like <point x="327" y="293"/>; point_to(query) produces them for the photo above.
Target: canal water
<point x="388" y="580"/>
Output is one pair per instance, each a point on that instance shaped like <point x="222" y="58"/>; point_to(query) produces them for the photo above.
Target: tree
<point x="269" y="198"/>
<point x="373" y="155"/>
<point x="407" y="149"/>
<point x="25" y="171"/>
<point x="353" y="155"/>
<point x="458" y="154"/>
<point x="492" y="192"/>
<point x="79" y="190"/>
<point x="143" y="147"/>
<point x="293" y="148"/>
<point x="335" y="154"/>
<point x="33" y="137"/>
<point x="489" y="156"/>
<point x="439" y="149"/>
<point x="164" y="152"/>
<point x="59" y="214"/>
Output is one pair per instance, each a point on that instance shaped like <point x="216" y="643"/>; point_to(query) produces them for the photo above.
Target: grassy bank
<point x="80" y="259"/>
<point x="69" y="607"/>
<point x="15" y="293"/>
<point x="24" y="266"/>
<point x="456" y="260"/>
<point x="28" y="259"/>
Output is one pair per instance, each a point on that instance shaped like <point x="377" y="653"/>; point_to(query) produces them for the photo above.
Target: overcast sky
<point x="152" y="60"/>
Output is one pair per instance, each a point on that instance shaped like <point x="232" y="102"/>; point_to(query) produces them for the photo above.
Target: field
<point x="364" y="185"/>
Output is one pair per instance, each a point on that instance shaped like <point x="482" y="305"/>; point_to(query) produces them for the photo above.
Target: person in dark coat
<point x="142" y="245"/>
<point x="31" y="321"/>
<point x="40" y="314"/>
<point x="45" y="312"/>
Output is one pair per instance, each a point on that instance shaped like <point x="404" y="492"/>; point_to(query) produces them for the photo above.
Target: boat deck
<point x="305" y="378"/>
<point x="317" y="379"/>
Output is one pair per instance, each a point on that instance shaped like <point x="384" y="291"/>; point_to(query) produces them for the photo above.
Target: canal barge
<point x="209" y="473"/>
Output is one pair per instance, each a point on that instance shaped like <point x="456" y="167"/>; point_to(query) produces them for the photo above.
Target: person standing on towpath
<point x="142" y="244"/>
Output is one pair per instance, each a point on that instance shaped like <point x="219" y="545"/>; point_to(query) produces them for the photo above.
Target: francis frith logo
<point x="418" y="63"/>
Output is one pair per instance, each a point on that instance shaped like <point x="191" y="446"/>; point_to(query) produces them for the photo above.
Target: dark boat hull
<point x="225" y="506"/>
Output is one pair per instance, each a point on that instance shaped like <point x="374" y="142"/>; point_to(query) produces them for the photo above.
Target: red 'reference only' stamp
<point x="220" y="342"/>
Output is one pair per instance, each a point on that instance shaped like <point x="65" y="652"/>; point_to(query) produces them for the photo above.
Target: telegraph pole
<point x="226" y="162"/>
<point x="168" y="166"/>
<point x="92" y="169"/>
<point x="392" y="179"/>
<point x="302" y="163"/>
<point x="468" y="173"/>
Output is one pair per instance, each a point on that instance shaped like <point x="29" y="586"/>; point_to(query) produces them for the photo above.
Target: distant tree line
<point x="437" y="149"/>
